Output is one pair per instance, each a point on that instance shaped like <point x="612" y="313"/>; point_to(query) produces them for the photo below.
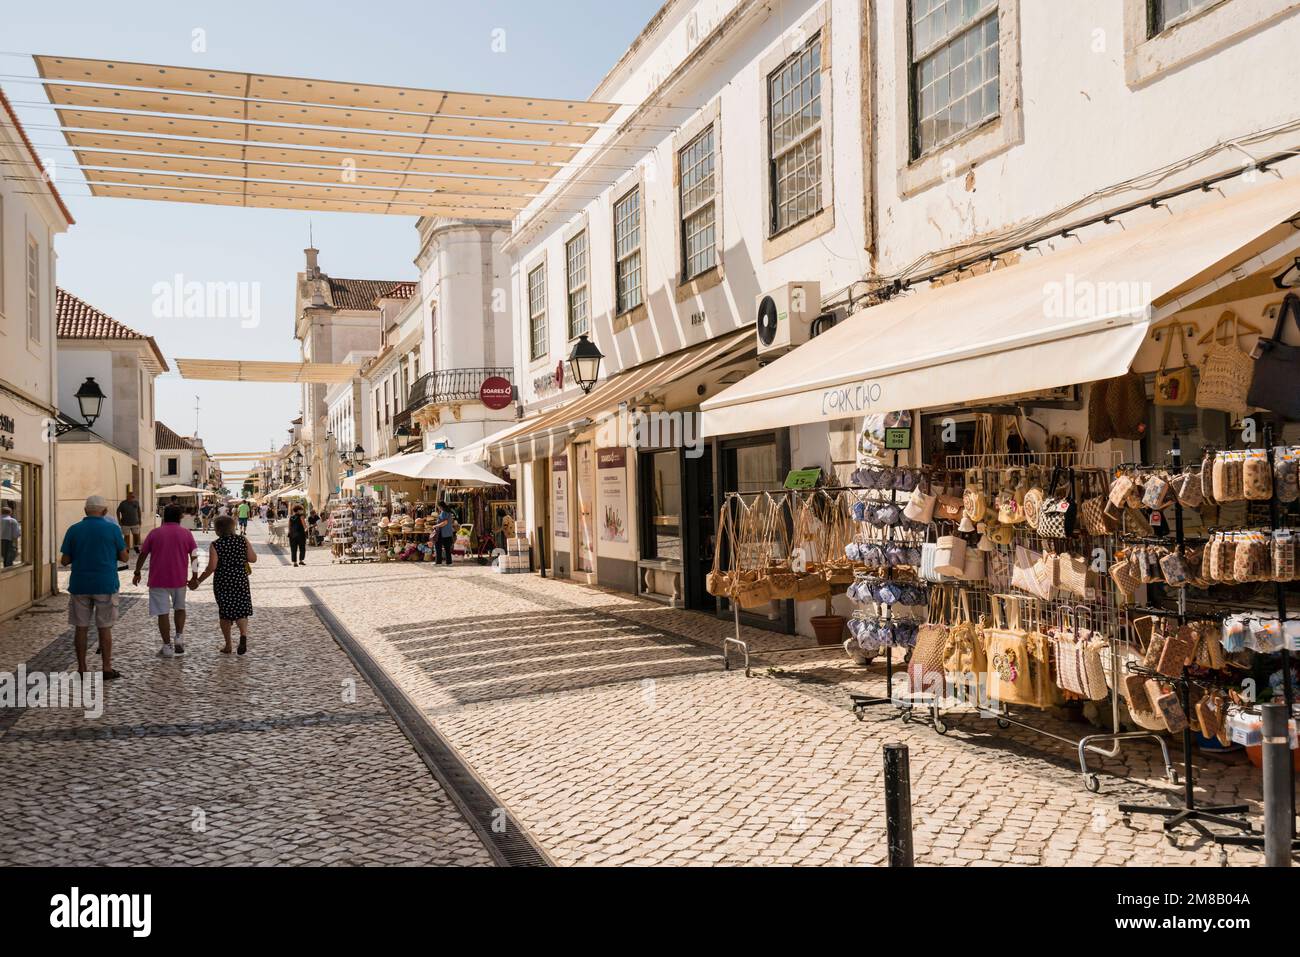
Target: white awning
<point x="427" y="467"/>
<point x="1069" y="317"/>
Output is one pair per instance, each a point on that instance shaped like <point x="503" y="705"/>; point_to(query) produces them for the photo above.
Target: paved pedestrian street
<point x="604" y="724"/>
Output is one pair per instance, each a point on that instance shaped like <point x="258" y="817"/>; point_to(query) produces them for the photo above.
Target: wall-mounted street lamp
<point x="584" y="363"/>
<point x="90" y="399"/>
<point x="404" y="437"/>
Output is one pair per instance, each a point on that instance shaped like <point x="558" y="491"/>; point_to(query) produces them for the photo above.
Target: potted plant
<point x="828" y="626"/>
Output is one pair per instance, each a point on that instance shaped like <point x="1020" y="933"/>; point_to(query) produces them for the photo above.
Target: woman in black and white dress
<point x="229" y="558"/>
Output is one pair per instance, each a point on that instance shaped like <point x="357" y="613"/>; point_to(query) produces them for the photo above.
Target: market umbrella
<point x="181" y="490"/>
<point x="428" y="467"/>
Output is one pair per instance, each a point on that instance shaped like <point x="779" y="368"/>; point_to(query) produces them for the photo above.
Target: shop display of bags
<point x="1078" y="655"/>
<point x="1059" y="513"/>
<point x="1275" y="382"/>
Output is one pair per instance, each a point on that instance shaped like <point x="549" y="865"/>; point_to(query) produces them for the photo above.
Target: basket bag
<point x="719" y="582"/>
<point x="925" y="666"/>
<point x="964" y="659"/>
<point x="1226" y="370"/>
<point x="1014" y="673"/>
<point x="1126" y="403"/>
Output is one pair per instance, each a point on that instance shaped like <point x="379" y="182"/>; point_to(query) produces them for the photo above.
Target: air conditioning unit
<point x="785" y="315"/>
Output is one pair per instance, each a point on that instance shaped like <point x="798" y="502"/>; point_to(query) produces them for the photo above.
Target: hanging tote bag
<point x="1126" y="402"/>
<point x="1275" y="384"/>
<point x="950" y="556"/>
<point x="925" y="666"/>
<point x="1059" y="513"/>
<point x="1174" y="388"/>
<point x="1099" y="427"/>
<point x="782" y="579"/>
<point x="964" y="659"/>
<point x="1006" y="645"/>
<point x="808" y="552"/>
<point x="920" y="505"/>
<point x="753" y="549"/>
<point x="1226" y="370"/>
<point x="721" y="582"/>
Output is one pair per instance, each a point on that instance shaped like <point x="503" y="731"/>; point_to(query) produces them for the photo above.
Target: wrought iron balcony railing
<point x="452" y="385"/>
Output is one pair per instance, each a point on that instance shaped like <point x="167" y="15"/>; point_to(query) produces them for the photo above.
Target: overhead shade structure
<point x="1069" y="317"/>
<point x="295" y="491"/>
<point x="237" y="370"/>
<point x="548" y="433"/>
<point x="427" y="467"/>
<point x="148" y="131"/>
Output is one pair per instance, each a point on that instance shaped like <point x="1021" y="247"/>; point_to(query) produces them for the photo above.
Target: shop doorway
<point x="698" y="534"/>
<point x="542" y="498"/>
<point x="584" y="482"/>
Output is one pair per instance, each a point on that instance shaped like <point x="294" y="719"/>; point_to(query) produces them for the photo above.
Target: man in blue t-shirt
<point x="444" y="533"/>
<point x="93" y="547"/>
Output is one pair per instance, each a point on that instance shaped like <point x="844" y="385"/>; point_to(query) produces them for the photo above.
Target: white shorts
<point x="163" y="601"/>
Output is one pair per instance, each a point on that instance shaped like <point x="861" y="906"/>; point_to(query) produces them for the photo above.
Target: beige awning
<point x="1069" y="317"/>
<point x="243" y="139"/>
<point x="237" y="370"/>
<point x="548" y="433"/>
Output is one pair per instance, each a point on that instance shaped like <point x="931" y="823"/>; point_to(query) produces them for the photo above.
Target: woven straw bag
<point x="721" y="582"/>
<point x="1126" y="403"/>
<point x="925" y="666"/>
<point x="1226" y="370"/>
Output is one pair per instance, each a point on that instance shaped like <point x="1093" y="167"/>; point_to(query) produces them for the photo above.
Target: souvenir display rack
<point x="1105" y="618"/>
<point x="354" y="535"/>
<point x="1190" y="814"/>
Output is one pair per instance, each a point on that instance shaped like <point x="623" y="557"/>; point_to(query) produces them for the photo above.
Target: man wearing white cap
<point x="94" y="547"/>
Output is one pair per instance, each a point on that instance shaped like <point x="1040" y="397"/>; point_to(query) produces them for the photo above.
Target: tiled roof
<point x="165" y="438"/>
<point x="403" y="290"/>
<point x="359" y="293"/>
<point x="77" y="319"/>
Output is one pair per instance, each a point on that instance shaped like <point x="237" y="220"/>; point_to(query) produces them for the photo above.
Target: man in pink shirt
<point x="168" y="549"/>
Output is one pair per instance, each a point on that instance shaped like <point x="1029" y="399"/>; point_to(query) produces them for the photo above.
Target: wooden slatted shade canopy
<point x="238" y="370"/>
<point x="180" y="134"/>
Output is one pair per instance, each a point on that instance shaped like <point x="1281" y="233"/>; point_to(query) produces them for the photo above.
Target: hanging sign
<point x="898" y="439"/>
<point x="496" y="392"/>
<point x="560" y="498"/>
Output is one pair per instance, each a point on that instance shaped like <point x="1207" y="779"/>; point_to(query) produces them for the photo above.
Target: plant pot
<point x="829" y="629"/>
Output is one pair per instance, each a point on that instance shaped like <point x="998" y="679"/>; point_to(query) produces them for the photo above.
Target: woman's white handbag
<point x="920" y="505"/>
<point x="950" y="556"/>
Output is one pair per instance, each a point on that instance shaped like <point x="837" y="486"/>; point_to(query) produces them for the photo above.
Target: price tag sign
<point x="802" y="478"/>
<point x="898" y="439"/>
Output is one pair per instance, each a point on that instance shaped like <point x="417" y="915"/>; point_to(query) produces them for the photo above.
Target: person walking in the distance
<point x="128" y="516"/>
<point x="229" y="559"/>
<point x="94" y="547"/>
<point x="298" y="537"/>
<point x="244" y="512"/>
<point x="168" y="549"/>
<point x="11" y="532"/>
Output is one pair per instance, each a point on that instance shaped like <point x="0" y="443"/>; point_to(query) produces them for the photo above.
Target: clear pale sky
<point x="120" y="249"/>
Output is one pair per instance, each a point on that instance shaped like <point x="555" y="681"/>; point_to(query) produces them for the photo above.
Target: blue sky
<point x="120" y="250"/>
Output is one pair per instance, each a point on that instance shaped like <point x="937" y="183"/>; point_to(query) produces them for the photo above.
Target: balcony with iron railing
<point x="447" y="386"/>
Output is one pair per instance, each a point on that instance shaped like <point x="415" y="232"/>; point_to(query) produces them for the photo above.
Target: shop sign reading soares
<point x="496" y="392"/>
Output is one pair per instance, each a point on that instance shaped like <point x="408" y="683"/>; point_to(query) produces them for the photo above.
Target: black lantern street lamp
<point x="584" y="363"/>
<point x="90" y="400"/>
<point x="404" y="437"/>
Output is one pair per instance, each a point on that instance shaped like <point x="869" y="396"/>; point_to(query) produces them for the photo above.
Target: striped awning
<point x="181" y="134"/>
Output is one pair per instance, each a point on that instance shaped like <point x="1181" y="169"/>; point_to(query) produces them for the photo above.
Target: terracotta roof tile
<point x="403" y="290"/>
<point x="164" y="438"/>
<point x="77" y="319"/>
<point x="359" y="294"/>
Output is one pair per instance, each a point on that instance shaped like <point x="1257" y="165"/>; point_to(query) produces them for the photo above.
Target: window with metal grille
<point x="575" y="271"/>
<point x="627" y="251"/>
<point x="33" y="290"/>
<point x="537" y="311"/>
<point x="1163" y="14"/>
<point x="794" y="122"/>
<point x="954" y="69"/>
<point x="698" y="202"/>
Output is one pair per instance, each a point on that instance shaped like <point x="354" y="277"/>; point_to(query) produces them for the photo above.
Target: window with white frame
<point x="1163" y="14"/>
<point x="794" y="125"/>
<point x="954" y="84"/>
<point x="698" y="205"/>
<point x="575" y="274"/>
<point x="627" y="251"/>
<point x="387" y="407"/>
<point x="33" y="290"/>
<point x="537" y="346"/>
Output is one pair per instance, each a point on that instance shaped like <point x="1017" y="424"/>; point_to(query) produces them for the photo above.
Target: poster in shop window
<point x="611" y="497"/>
<point x="560" y="499"/>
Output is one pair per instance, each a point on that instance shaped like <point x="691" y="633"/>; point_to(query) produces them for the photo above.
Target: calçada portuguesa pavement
<point x="602" y="725"/>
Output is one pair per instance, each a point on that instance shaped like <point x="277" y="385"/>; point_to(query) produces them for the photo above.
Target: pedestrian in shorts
<point x="128" y="516"/>
<point x="93" y="548"/>
<point x="168" y="548"/>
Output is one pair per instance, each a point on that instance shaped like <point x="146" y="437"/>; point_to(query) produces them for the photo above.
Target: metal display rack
<point x="1105" y="615"/>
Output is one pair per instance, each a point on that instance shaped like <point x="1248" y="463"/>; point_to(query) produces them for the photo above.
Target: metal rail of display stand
<point x="1100" y="612"/>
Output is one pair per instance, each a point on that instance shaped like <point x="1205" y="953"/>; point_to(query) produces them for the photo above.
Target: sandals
<point x="243" y="644"/>
<point x="111" y="674"/>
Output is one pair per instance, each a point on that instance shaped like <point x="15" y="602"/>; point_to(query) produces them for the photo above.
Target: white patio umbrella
<point x="428" y="467"/>
<point x="181" y="490"/>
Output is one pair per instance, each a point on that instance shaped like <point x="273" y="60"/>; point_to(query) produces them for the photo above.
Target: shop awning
<point x="1069" y="317"/>
<point x="427" y="467"/>
<point x="550" y="431"/>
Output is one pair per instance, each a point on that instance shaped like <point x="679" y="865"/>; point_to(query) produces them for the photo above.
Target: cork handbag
<point x="721" y="582"/>
<point x="753" y="550"/>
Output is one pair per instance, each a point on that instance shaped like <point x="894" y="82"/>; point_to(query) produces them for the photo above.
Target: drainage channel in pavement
<point x="500" y="831"/>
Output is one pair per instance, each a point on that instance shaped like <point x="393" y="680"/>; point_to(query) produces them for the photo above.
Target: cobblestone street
<point x="606" y="725"/>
